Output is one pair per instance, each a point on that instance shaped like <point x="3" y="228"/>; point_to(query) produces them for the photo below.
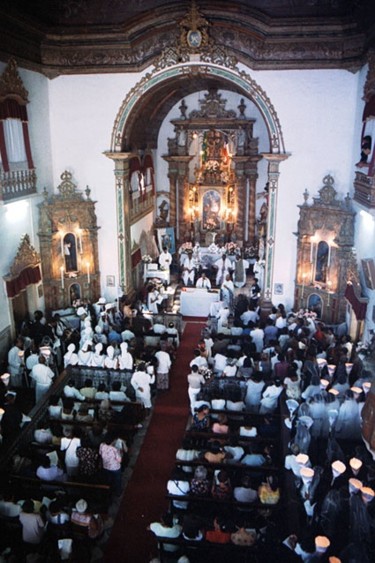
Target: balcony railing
<point x="16" y="184"/>
<point x="364" y="190"/>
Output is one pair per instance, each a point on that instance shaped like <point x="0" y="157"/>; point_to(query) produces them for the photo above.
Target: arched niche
<point x="315" y="304"/>
<point x="322" y="262"/>
<point x="70" y="252"/>
<point x="75" y="293"/>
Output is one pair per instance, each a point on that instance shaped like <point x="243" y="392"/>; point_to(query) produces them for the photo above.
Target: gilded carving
<point x="11" y="84"/>
<point x="26" y="256"/>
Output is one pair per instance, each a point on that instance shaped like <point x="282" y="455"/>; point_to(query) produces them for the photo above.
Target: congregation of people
<point x="254" y="383"/>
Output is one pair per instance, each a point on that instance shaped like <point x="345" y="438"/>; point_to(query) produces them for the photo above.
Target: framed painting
<point x="368" y="268"/>
<point x="166" y="238"/>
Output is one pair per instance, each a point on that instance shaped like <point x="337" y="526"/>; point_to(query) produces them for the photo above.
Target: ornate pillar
<point x="252" y="207"/>
<point x="273" y="178"/>
<point x="121" y="161"/>
<point x="178" y="175"/>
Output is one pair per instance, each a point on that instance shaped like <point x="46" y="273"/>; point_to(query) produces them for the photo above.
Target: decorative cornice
<point x="26" y="256"/>
<point x="257" y="40"/>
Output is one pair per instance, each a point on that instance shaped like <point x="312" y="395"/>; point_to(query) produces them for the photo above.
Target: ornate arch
<point x="239" y="81"/>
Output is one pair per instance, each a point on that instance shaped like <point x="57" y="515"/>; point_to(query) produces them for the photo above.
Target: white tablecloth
<point x="196" y="302"/>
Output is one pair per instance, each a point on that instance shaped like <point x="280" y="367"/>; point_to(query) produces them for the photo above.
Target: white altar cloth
<point x="195" y="302"/>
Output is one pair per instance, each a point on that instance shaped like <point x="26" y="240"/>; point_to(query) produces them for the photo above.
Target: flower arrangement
<point x="186" y="247"/>
<point x="307" y="314"/>
<point x="206" y="372"/>
<point x="250" y="252"/>
<point x="231" y="248"/>
<point x="146" y="258"/>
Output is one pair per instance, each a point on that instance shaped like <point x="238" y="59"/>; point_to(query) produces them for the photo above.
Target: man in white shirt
<point x="223" y="265"/>
<point x="203" y="282"/>
<point x="220" y="362"/>
<point x="195" y="380"/>
<point x="71" y="391"/>
<point x="15" y="363"/>
<point x="42" y="375"/>
<point x="165" y="259"/>
<point x="188" y="270"/>
<point x="249" y="315"/>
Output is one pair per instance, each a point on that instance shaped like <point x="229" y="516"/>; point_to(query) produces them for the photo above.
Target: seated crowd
<point x="324" y="477"/>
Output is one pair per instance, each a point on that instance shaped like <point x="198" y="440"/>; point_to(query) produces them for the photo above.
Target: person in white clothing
<point x="15" y="363"/>
<point x="70" y="390"/>
<point x="70" y="357"/>
<point x="203" y="282"/>
<point x="195" y="381"/>
<point x="270" y="397"/>
<point x="223" y="265"/>
<point x="111" y="361"/>
<point x="188" y="270"/>
<point x="42" y="375"/>
<point x="165" y="259"/>
<point x="97" y="359"/>
<point x="227" y="291"/>
<point x="166" y="529"/>
<point x="141" y="381"/>
<point x="125" y="359"/>
<point x="240" y="267"/>
<point x="70" y="446"/>
<point x="85" y="353"/>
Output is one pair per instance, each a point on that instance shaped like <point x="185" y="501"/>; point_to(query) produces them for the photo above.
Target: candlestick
<point x="329" y="255"/>
<point x="80" y="242"/>
<point x="62" y="276"/>
<point x="88" y="272"/>
<point x="303" y="287"/>
<point x="62" y="245"/>
<point x="311" y="250"/>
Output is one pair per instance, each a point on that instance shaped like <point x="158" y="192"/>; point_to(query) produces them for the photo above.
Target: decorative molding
<point x="11" y="85"/>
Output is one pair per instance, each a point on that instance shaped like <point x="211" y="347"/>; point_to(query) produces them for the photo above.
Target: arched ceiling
<point x="144" y="123"/>
<point x="92" y="36"/>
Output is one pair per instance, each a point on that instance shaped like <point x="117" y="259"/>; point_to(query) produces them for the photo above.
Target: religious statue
<point x="70" y="252"/>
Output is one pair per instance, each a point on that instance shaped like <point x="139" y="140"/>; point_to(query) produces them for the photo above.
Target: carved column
<point x="121" y="161"/>
<point x="273" y="178"/>
<point x="252" y="207"/>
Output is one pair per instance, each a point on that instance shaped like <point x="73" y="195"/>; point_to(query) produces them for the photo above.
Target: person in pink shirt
<point x="111" y="459"/>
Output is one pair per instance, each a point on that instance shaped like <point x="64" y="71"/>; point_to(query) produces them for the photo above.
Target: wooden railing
<point x="364" y="190"/>
<point x="17" y="184"/>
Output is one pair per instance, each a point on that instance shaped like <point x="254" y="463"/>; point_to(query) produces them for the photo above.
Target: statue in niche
<point x="321" y="262"/>
<point x="162" y="218"/>
<point x="70" y="252"/>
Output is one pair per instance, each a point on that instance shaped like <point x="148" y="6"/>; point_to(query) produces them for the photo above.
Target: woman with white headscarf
<point x="110" y="361"/>
<point x="125" y="359"/>
<point x="97" y="360"/>
<point x="85" y="354"/>
<point x="70" y="357"/>
<point x="348" y="423"/>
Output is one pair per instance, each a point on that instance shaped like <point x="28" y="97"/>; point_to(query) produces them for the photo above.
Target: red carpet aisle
<point x="144" y="498"/>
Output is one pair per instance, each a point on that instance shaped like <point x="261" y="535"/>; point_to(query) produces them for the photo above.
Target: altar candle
<point x="62" y="245"/>
<point x="62" y="276"/>
<point x="80" y="242"/>
<point x="329" y="255"/>
<point x="303" y="286"/>
<point x="88" y="271"/>
<point x="311" y="251"/>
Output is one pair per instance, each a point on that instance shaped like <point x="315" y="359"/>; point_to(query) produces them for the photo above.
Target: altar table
<point x="195" y="302"/>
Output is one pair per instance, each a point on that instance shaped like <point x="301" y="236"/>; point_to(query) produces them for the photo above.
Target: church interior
<point x="157" y="159"/>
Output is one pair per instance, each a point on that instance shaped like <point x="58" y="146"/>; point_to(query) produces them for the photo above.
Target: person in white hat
<point x="125" y="359"/>
<point x="85" y="353"/>
<point x="348" y="423"/>
<point x="97" y="359"/>
<point x="70" y="357"/>
<point x="110" y="360"/>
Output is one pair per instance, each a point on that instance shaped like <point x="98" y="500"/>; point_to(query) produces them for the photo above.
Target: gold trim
<point x="11" y="85"/>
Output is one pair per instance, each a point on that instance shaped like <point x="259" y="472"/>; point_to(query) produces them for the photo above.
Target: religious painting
<point x="211" y="206"/>
<point x="40" y="291"/>
<point x="368" y="269"/>
<point x="321" y="265"/>
<point x="70" y="252"/>
<point x="166" y="239"/>
<point x="278" y="289"/>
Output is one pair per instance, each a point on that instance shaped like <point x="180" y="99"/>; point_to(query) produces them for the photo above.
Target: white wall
<point x="319" y="113"/>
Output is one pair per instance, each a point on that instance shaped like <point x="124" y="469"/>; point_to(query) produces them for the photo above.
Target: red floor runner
<point x="144" y="498"/>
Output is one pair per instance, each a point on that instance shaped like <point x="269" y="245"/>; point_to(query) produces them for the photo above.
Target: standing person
<point x="15" y="362"/>
<point x="162" y="370"/>
<point x="141" y="381"/>
<point x="195" y="381"/>
<point x="111" y="459"/>
<point x="11" y="420"/>
<point x="33" y="525"/>
<point x="70" y="446"/>
<point x="223" y="265"/>
<point x="227" y="292"/>
<point x="43" y="376"/>
<point x="188" y="270"/>
<point x="240" y="267"/>
<point x="165" y="259"/>
<point x="254" y="293"/>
